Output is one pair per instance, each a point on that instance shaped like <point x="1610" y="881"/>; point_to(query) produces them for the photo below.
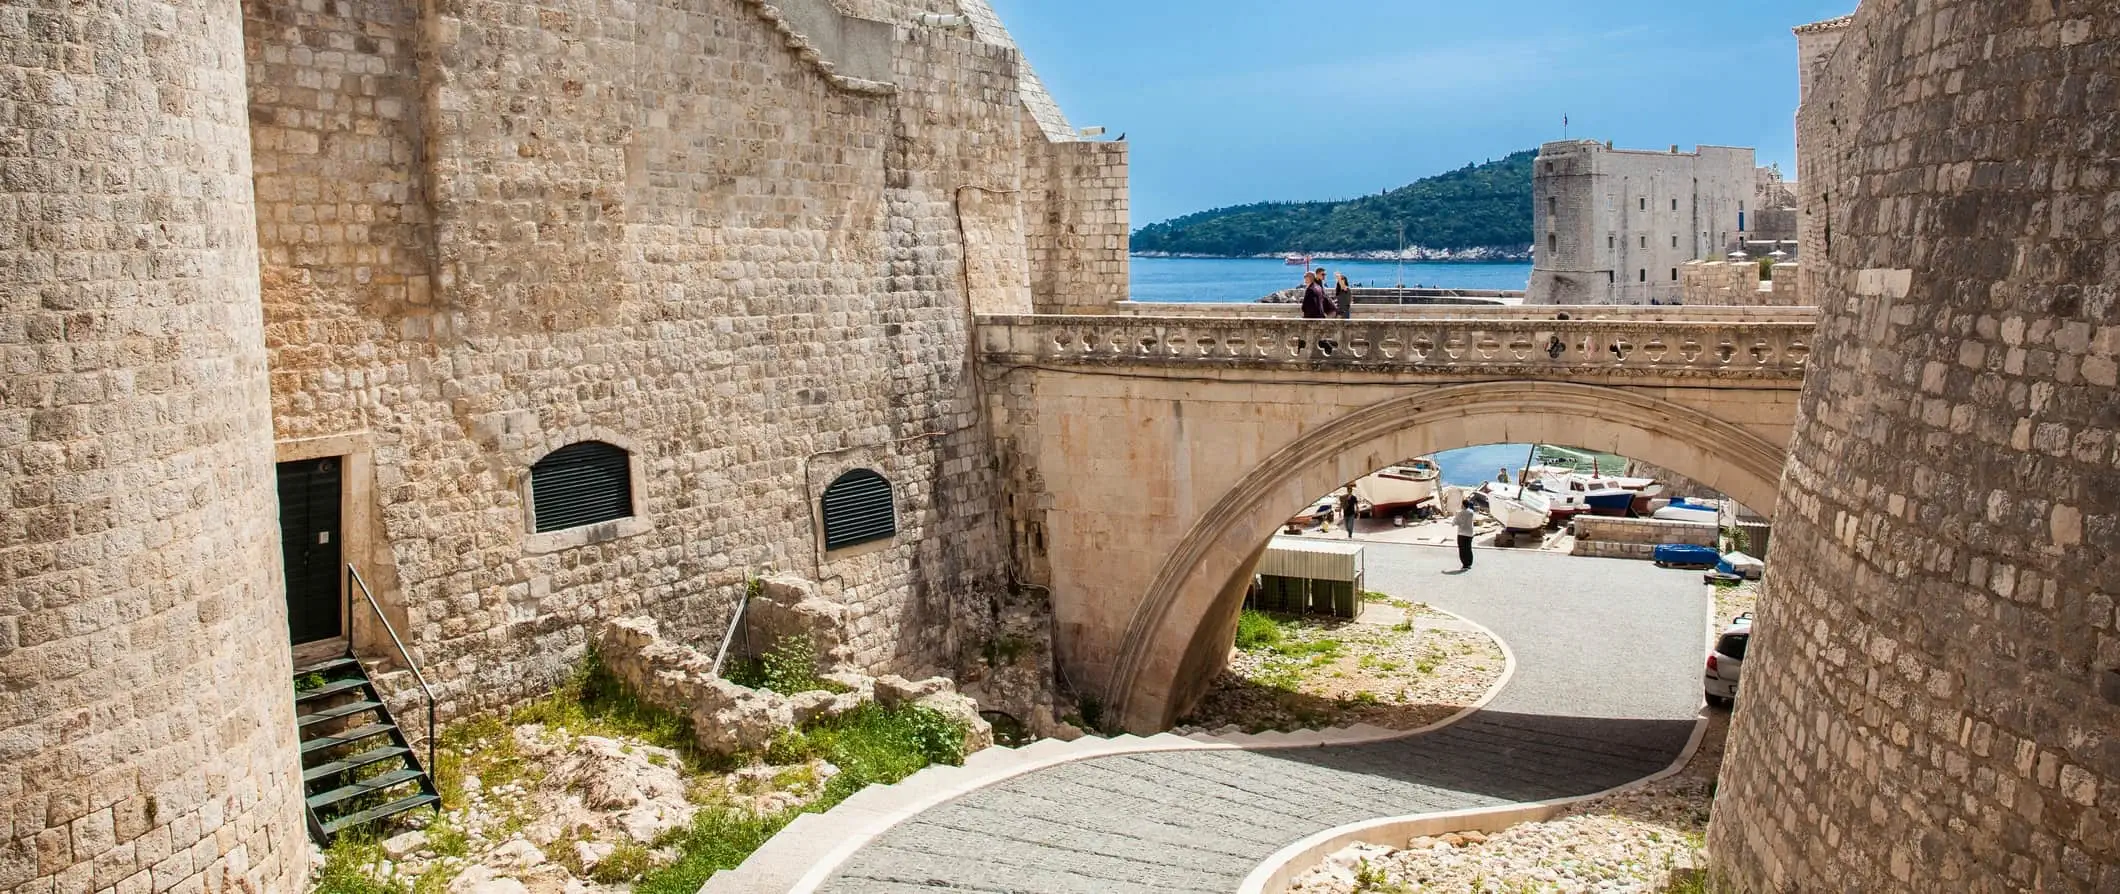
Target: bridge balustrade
<point x="1502" y="346"/>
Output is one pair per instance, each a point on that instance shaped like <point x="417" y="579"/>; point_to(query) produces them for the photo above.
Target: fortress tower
<point x="146" y="733"/>
<point x="1934" y="701"/>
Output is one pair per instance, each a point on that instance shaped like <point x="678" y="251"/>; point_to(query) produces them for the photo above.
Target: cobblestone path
<point x="1606" y="689"/>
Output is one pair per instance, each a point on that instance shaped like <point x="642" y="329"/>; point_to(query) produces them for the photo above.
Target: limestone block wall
<point x="1719" y="283"/>
<point x="1933" y="699"/>
<point x="1078" y="243"/>
<point x="146" y="732"/>
<point x="681" y="232"/>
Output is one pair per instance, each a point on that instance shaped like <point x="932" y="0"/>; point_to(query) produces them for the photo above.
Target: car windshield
<point x="1733" y="645"/>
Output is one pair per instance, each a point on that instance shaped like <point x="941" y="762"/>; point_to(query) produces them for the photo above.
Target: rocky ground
<point x="1401" y="666"/>
<point x="1645" y="840"/>
<point x="544" y="810"/>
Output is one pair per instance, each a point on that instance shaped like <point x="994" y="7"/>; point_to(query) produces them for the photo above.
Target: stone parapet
<point x="1514" y="347"/>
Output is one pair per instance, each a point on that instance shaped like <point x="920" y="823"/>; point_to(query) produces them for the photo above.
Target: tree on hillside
<point x="1477" y="206"/>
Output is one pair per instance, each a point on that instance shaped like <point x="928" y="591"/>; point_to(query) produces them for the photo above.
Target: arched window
<point x="858" y="508"/>
<point x="581" y="484"/>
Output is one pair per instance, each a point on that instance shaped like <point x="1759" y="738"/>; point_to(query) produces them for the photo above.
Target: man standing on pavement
<point x="1465" y="530"/>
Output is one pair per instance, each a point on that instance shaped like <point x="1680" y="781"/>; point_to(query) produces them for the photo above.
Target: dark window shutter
<point x="581" y="484"/>
<point x="858" y="509"/>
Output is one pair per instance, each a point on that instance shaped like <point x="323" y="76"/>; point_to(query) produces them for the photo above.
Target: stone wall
<point x="1719" y="283"/>
<point x="1932" y="698"/>
<point x="146" y="729"/>
<point x="688" y="231"/>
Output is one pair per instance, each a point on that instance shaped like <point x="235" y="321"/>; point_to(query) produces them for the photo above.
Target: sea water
<point x="1249" y="279"/>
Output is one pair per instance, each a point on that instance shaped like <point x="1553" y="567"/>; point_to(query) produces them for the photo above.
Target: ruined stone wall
<point x="1933" y="698"/>
<point x="681" y="232"/>
<point x="146" y="731"/>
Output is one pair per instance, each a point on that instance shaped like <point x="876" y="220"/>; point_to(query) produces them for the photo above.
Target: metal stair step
<point x="359" y="760"/>
<point x="365" y="786"/>
<point x="372" y="814"/>
<point x="353" y="735"/>
<point x="332" y="688"/>
<point x="327" y="666"/>
<point x="336" y="712"/>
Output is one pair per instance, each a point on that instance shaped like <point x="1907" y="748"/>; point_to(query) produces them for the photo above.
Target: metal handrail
<point x="421" y="678"/>
<point x="743" y="604"/>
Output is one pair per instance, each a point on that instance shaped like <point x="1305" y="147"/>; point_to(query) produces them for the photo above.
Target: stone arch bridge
<point x="1151" y="457"/>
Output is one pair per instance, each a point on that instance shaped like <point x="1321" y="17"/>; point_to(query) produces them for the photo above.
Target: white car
<point x="1727" y="660"/>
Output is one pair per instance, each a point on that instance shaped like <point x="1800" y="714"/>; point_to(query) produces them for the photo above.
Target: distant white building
<point x="1615" y="225"/>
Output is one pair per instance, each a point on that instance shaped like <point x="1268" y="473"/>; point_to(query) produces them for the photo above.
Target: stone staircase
<point x="819" y="841"/>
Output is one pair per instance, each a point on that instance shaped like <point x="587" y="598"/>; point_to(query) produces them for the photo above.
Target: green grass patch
<point x="345" y="869"/>
<point x="870" y="745"/>
<point x="1257" y="630"/>
<point x="593" y="702"/>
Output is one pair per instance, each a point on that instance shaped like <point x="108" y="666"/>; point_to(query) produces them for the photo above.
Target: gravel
<point x="1644" y="840"/>
<point x="1401" y="667"/>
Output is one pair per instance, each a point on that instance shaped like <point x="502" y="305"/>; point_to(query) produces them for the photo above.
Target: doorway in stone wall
<point x="310" y="533"/>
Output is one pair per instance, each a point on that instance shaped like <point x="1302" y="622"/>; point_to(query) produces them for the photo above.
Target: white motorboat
<point x="1399" y="490"/>
<point x="1518" y="509"/>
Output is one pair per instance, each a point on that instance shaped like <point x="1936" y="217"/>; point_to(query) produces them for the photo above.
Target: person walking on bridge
<point x="1465" y="530"/>
<point x="1344" y="297"/>
<point x="1313" y="296"/>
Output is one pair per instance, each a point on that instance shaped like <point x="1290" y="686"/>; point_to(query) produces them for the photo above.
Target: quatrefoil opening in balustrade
<point x="1798" y="354"/>
<point x="1393" y="348"/>
<point x="1455" y="348"/>
<point x="1620" y="349"/>
<point x="1655" y="350"/>
<point x="1690" y="350"/>
<point x="1423" y="348"/>
<point x="1063" y="341"/>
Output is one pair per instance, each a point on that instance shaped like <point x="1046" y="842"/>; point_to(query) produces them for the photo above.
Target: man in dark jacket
<point x="1313" y="297"/>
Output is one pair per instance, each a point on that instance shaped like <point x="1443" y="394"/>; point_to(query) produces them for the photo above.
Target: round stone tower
<point x="146" y="725"/>
<point x="1932" y="703"/>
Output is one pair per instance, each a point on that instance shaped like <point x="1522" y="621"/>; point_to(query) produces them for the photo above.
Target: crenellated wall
<point x="146" y="734"/>
<point x="1932" y="700"/>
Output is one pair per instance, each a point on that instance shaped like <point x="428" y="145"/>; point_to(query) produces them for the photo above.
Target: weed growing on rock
<point x="790" y="667"/>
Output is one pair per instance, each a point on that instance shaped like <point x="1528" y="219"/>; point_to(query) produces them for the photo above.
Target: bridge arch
<point x="1175" y="638"/>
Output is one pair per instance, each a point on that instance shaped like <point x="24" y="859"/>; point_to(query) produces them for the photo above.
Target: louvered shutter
<point x="581" y="484"/>
<point x="858" y="509"/>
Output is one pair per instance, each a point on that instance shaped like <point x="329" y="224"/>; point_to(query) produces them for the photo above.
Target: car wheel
<point x="1719" y="701"/>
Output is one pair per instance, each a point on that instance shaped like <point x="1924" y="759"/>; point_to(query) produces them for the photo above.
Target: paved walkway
<point x="1606" y="689"/>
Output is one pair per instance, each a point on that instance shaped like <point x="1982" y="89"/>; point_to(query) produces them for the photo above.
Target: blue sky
<point x="1234" y="101"/>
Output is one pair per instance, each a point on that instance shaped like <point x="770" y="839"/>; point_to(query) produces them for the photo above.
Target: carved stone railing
<point x="1542" y="348"/>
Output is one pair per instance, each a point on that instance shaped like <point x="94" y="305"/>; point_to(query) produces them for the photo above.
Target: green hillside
<point x="1477" y="206"/>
